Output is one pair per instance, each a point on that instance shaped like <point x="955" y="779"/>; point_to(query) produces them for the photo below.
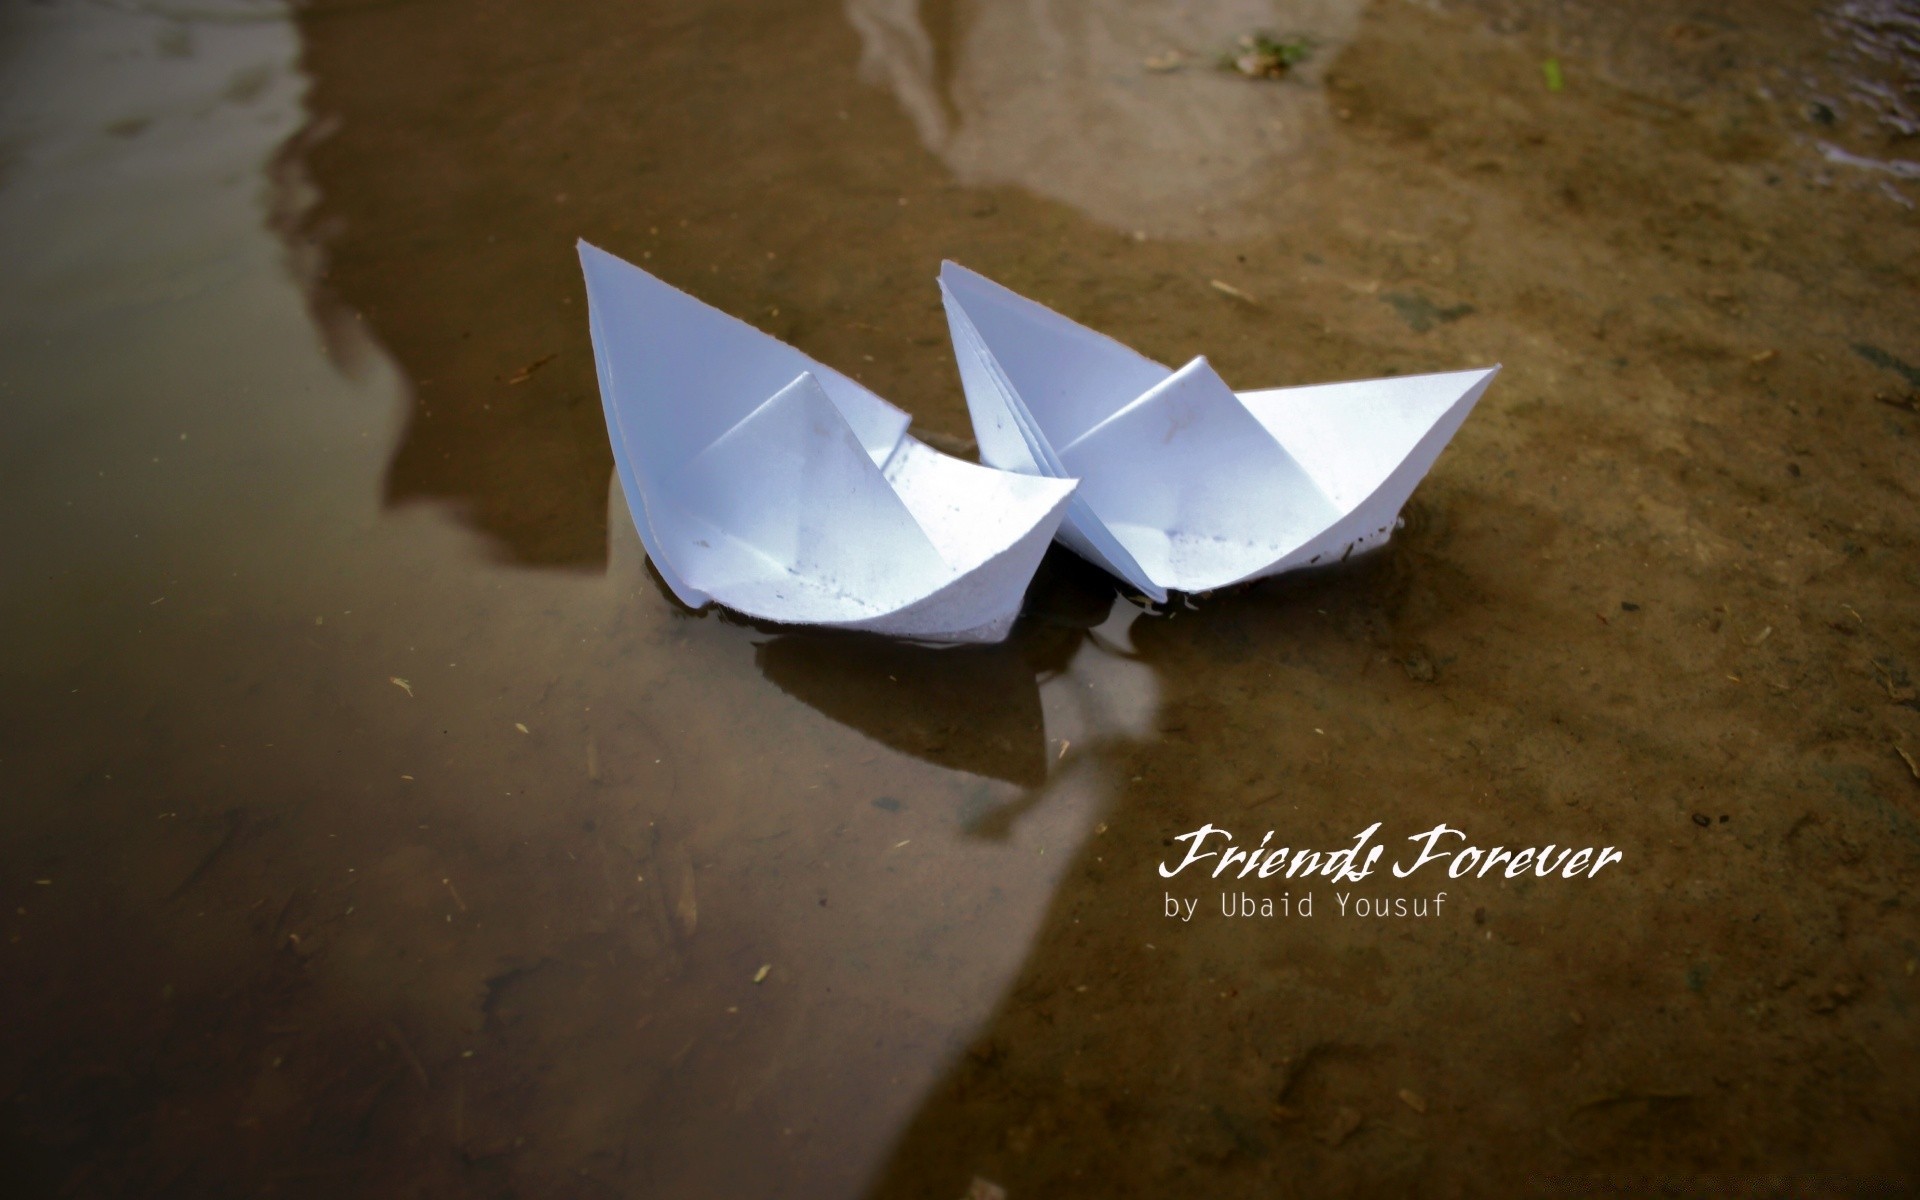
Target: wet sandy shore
<point x="375" y="823"/>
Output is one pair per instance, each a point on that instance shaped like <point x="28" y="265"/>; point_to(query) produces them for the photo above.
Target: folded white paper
<point x="778" y="487"/>
<point x="1185" y="486"/>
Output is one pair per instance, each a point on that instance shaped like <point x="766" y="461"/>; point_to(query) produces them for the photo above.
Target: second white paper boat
<point x="782" y="489"/>
<point x="1184" y="485"/>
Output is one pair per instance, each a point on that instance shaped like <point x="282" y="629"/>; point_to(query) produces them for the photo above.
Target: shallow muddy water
<point x="372" y="821"/>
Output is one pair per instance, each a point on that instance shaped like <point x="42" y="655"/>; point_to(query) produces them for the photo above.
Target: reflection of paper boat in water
<point x="1185" y="486"/>
<point x="784" y="490"/>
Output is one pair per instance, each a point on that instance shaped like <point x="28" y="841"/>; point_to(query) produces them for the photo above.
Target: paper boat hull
<point x="979" y="607"/>
<point x="1185" y="485"/>
<point x="768" y="483"/>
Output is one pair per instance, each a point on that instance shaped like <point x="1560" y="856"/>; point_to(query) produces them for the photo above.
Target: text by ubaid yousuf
<point x="1435" y="850"/>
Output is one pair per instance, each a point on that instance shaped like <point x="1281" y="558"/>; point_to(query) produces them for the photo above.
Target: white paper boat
<point x="1185" y="486"/>
<point x="782" y="489"/>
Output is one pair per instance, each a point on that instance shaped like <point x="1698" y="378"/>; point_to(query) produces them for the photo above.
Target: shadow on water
<point x="966" y="708"/>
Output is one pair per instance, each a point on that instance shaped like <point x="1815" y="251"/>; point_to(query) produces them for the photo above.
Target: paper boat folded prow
<point x="1184" y="485"/>
<point x="780" y="488"/>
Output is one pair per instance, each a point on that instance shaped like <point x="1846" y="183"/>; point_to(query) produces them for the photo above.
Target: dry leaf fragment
<point x="525" y="373"/>
<point x="1267" y="57"/>
<point x="687" y="907"/>
<point x="1908" y="759"/>
<point x="1341" y="1127"/>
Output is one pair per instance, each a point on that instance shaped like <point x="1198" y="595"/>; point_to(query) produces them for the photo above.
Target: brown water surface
<point x="373" y="822"/>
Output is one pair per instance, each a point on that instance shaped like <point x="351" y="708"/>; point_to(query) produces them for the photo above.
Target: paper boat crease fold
<point x="1185" y="485"/>
<point x="776" y="486"/>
